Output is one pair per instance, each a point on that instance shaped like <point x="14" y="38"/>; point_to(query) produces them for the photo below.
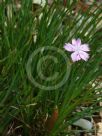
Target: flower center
<point x="77" y="49"/>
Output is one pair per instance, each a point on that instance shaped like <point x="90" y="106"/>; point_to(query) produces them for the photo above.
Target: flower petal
<point x="84" y="47"/>
<point x="75" y="56"/>
<point x="78" y="41"/>
<point x="74" y="42"/>
<point x="84" y="55"/>
<point x="69" y="47"/>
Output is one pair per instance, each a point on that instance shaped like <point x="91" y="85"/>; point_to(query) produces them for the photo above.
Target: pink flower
<point x="79" y="50"/>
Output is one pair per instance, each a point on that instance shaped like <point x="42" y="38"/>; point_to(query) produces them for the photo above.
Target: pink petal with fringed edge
<point x="75" y="56"/>
<point x="69" y="47"/>
<point x="84" y="47"/>
<point x="78" y="42"/>
<point x="74" y="42"/>
<point x="84" y="55"/>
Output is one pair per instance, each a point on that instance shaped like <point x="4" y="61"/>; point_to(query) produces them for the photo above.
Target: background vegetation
<point x="26" y="109"/>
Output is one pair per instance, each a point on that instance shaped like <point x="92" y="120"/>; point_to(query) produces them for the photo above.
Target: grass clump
<point x="31" y="49"/>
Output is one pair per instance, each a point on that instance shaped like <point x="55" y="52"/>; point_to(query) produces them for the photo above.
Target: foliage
<point x="24" y="105"/>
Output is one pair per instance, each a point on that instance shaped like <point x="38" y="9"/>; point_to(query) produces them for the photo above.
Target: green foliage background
<point x="20" y="100"/>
